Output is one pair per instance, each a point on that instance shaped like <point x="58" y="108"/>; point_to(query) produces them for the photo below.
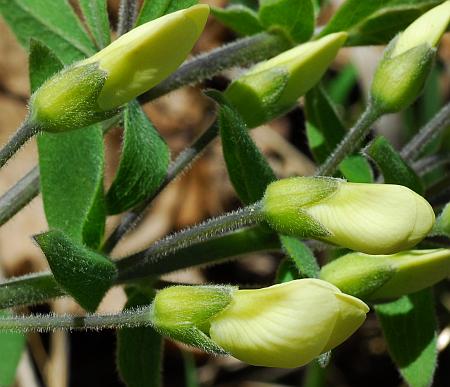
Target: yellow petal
<point x="147" y="54"/>
<point x="285" y="325"/>
<point x="426" y="29"/>
<point x="374" y="218"/>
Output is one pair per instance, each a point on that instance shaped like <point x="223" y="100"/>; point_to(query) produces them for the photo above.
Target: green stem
<point x="441" y="121"/>
<point x="22" y="135"/>
<point x="247" y="216"/>
<point x="128" y="10"/>
<point x="129" y="318"/>
<point x="41" y="287"/>
<point x="13" y="200"/>
<point x="242" y="52"/>
<point x="184" y="159"/>
<point x="237" y="243"/>
<point x="29" y="290"/>
<point x="351" y="142"/>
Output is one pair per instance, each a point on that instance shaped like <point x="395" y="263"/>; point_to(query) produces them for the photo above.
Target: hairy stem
<point x="38" y="288"/>
<point x="441" y="121"/>
<point x="128" y="11"/>
<point x="129" y="318"/>
<point x="23" y="134"/>
<point x="242" y="52"/>
<point x="19" y="195"/>
<point x="184" y="159"/>
<point x="211" y="228"/>
<point x="350" y="142"/>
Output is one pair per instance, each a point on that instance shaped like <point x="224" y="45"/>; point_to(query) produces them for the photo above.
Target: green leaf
<point x="356" y="169"/>
<point x="248" y="169"/>
<point x="301" y="255"/>
<point x="96" y="15"/>
<point x="152" y="9"/>
<point x="139" y="350"/>
<point x="81" y="272"/>
<point x="392" y="166"/>
<point x="190" y="370"/>
<point x="43" y="63"/>
<point x="71" y="166"/>
<point x="376" y="22"/>
<point x="340" y="87"/>
<point x="286" y="272"/>
<point x="324" y="131"/>
<point x="52" y="22"/>
<point x="144" y="162"/>
<point x="253" y="4"/>
<point x="242" y="20"/>
<point x="12" y="345"/>
<point x="294" y="17"/>
<point x="409" y="326"/>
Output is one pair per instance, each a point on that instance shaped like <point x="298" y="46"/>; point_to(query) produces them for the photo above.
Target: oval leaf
<point x="144" y="162"/>
<point x="139" y="350"/>
<point x="242" y="20"/>
<point x="82" y="273"/>
<point x="152" y="9"/>
<point x="295" y="17"/>
<point x="376" y="22"/>
<point x="409" y="327"/>
<point x="392" y="166"/>
<point x="96" y="15"/>
<point x="52" y="22"/>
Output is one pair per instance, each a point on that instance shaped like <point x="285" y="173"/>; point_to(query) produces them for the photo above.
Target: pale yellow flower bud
<point x="146" y="55"/>
<point x="371" y="218"/>
<point x="380" y="277"/>
<point x="427" y="29"/>
<point x="286" y="325"/>
<point x="93" y="89"/>
<point x="272" y="87"/>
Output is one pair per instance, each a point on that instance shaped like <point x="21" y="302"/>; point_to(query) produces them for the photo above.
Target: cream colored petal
<point x="285" y="325"/>
<point x="371" y="218"/>
<point x="352" y="313"/>
<point x="426" y="29"/>
<point x="424" y="221"/>
<point x="147" y="54"/>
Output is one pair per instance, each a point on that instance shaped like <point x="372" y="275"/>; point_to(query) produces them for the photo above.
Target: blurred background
<point x="88" y="359"/>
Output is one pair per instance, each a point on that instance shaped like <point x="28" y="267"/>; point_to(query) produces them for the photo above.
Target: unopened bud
<point x="407" y="61"/>
<point x="273" y="87"/>
<point x="93" y="89"/>
<point x="379" y="277"/>
<point x="278" y="326"/>
<point x="372" y="218"/>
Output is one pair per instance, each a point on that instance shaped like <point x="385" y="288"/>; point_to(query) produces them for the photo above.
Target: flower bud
<point x="407" y="61"/>
<point x="287" y="325"/>
<point x="93" y="89"/>
<point x="278" y="326"/>
<point x="378" y="277"/>
<point x="372" y="218"/>
<point x="184" y="312"/>
<point x="272" y="87"/>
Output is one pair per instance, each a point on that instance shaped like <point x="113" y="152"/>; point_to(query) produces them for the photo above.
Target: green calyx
<point x="285" y="200"/>
<point x="258" y="97"/>
<point x="68" y="100"/>
<point x="184" y="313"/>
<point x="358" y="274"/>
<point x="407" y="72"/>
<point x="382" y="277"/>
